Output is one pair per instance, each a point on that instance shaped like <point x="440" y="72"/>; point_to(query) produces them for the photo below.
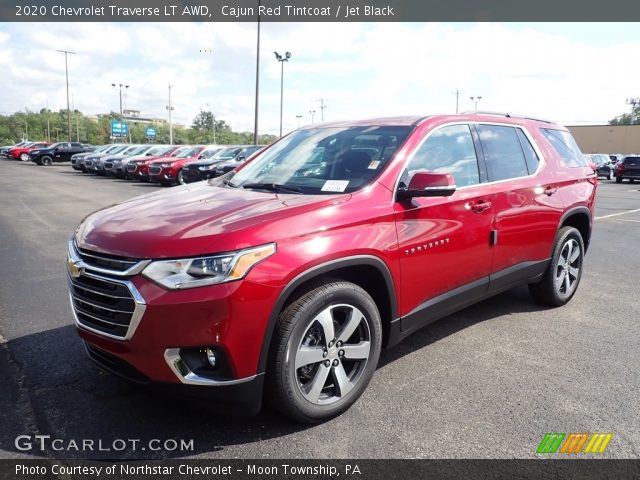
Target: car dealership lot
<point x="486" y="382"/>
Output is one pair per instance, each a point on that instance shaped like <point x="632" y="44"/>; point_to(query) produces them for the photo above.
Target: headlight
<point x="197" y="272"/>
<point x="165" y="165"/>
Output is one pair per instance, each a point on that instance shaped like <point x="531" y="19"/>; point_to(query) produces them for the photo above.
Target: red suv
<point x="22" y="153"/>
<point x="290" y="274"/>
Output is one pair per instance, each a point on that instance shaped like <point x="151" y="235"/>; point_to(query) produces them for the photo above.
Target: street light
<point x="299" y="117"/>
<point x="121" y="116"/>
<point x="281" y="59"/>
<point x="213" y="123"/>
<point x="312" y="113"/>
<point x="170" y="109"/>
<point x="66" y="71"/>
<point x="475" y="100"/>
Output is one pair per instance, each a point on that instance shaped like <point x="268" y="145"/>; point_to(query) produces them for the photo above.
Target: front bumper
<point x="197" y="175"/>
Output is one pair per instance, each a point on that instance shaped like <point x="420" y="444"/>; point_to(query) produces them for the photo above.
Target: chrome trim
<point x="433" y="189"/>
<point x="136" y="316"/>
<point x="99" y="306"/>
<point x="185" y="375"/>
<point x="74" y="256"/>
<point x="542" y="161"/>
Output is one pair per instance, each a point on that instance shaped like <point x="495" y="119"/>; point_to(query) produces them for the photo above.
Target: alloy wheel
<point x="568" y="268"/>
<point x="332" y="354"/>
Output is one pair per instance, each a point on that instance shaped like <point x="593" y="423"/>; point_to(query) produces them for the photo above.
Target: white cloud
<point x="361" y="69"/>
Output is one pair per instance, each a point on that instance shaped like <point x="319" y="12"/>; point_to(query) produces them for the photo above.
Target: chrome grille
<point x="105" y="306"/>
<point x="101" y="261"/>
<point x="155" y="170"/>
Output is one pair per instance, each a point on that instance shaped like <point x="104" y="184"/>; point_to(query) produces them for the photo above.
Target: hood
<point x="199" y="219"/>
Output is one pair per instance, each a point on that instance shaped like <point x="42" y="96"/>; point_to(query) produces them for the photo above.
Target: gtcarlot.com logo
<point x="574" y="443"/>
<point x="46" y="443"/>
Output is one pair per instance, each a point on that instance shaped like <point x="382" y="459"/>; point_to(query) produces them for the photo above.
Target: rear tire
<point x="325" y="350"/>
<point x="609" y="177"/>
<point x="618" y="179"/>
<point x="46" y="161"/>
<point x="180" y="178"/>
<point x="560" y="281"/>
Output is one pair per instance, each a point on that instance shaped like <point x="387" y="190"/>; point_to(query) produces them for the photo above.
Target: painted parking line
<point x="618" y="214"/>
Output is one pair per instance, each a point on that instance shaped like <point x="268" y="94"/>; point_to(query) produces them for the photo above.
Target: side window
<point x="566" y="147"/>
<point x="502" y="152"/>
<point x="448" y="150"/>
<point x="530" y="154"/>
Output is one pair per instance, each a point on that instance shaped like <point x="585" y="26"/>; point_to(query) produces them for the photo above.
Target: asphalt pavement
<point x="487" y="382"/>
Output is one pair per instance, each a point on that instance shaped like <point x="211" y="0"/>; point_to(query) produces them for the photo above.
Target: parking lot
<point x="487" y="382"/>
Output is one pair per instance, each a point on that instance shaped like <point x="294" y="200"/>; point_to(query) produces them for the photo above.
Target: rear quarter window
<point x="566" y="147"/>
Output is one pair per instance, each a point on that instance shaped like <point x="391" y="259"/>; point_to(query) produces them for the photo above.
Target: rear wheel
<point x="46" y="161"/>
<point x="180" y="178"/>
<point x="618" y="179"/>
<point x="609" y="176"/>
<point x="326" y="349"/>
<point x="561" y="280"/>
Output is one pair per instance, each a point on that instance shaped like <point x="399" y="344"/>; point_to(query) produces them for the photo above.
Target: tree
<point x="627" y="118"/>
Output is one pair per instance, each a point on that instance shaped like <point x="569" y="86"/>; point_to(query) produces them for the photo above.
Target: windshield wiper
<point x="273" y="187"/>
<point x="229" y="183"/>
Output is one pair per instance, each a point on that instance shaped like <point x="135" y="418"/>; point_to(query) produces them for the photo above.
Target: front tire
<point x="24" y="157"/>
<point x="180" y="178"/>
<point x="46" y="161"/>
<point x="325" y="351"/>
<point x="560" y="281"/>
<point x="618" y="179"/>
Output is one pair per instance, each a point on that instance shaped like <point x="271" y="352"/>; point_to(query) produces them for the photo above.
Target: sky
<point x="572" y="73"/>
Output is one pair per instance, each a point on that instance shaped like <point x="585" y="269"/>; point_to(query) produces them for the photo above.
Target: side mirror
<point x="428" y="184"/>
<point x="241" y="158"/>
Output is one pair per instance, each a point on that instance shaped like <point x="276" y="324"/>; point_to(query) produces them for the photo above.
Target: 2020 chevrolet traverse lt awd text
<point x="293" y="272"/>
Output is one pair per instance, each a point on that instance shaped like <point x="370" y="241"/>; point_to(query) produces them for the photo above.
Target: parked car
<point x="97" y="157"/>
<point x="615" y="158"/>
<point x="77" y="160"/>
<point x="96" y="164"/>
<point x="629" y="168"/>
<point x="118" y="167"/>
<point x="58" y="152"/>
<point x="602" y="162"/>
<point x="272" y="280"/>
<point x="239" y="159"/>
<point x="169" y="172"/>
<point x="133" y="150"/>
<point x="139" y="169"/>
<point x="22" y="152"/>
<point x="205" y="169"/>
<point x="4" y="151"/>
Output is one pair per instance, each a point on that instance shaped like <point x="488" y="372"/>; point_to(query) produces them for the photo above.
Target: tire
<point x="46" y="161"/>
<point x="313" y="392"/>
<point x="618" y="179"/>
<point x="180" y="178"/>
<point x="560" y="281"/>
<point x="24" y="157"/>
<point x="610" y="176"/>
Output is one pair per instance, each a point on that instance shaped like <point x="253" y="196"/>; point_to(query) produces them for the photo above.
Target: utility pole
<point x="457" y="94"/>
<point x="26" y="129"/>
<point x="66" y="70"/>
<point x="322" y="107"/>
<point x="121" y="115"/>
<point x="312" y="113"/>
<point x="48" y="131"/>
<point x="170" y="108"/>
<point x="299" y="117"/>
<point x="255" y="115"/>
<point x="73" y="102"/>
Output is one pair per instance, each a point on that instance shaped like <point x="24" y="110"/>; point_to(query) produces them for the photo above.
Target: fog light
<point x="211" y="357"/>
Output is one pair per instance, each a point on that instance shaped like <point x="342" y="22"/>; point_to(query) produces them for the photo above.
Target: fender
<point x="317" y="271"/>
<point x="573" y="211"/>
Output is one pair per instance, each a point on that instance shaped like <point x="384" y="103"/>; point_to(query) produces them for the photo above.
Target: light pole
<point x="121" y="116"/>
<point x="26" y="128"/>
<point x="213" y="123"/>
<point x="299" y="117"/>
<point x="475" y="100"/>
<point x="633" y="102"/>
<point x="322" y="107"/>
<point x="312" y="113"/>
<point x="457" y="94"/>
<point x="66" y="71"/>
<point x="255" y="115"/>
<point x="281" y="59"/>
<point x="170" y="108"/>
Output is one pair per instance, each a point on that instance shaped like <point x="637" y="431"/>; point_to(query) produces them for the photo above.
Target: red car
<point x="22" y="152"/>
<point x="169" y="171"/>
<point x="139" y="169"/>
<point x="289" y="275"/>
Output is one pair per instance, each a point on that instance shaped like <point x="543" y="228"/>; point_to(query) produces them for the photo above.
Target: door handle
<point x="480" y="206"/>
<point x="550" y="190"/>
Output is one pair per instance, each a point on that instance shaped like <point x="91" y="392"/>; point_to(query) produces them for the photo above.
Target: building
<point x="623" y="139"/>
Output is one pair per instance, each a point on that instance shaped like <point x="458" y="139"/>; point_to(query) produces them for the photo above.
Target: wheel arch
<point x="580" y="219"/>
<point x="367" y="271"/>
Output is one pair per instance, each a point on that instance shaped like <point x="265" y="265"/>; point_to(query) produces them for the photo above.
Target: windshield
<point x="209" y="153"/>
<point x="227" y="153"/>
<point x="159" y="151"/>
<point x="138" y="150"/>
<point x="179" y="152"/>
<point x="191" y="152"/>
<point x="326" y="160"/>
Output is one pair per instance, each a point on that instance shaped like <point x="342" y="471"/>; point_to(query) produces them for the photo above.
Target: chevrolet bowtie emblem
<point x="74" y="267"/>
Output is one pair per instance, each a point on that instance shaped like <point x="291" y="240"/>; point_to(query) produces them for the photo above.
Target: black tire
<point x="290" y="387"/>
<point x="549" y="291"/>
<point x="618" y="179"/>
<point x="46" y="161"/>
<point x="610" y="176"/>
<point x="180" y="178"/>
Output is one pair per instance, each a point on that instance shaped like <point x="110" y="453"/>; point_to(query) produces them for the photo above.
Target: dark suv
<point x="58" y="152"/>
<point x="629" y="168"/>
<point x="289" y="275"/>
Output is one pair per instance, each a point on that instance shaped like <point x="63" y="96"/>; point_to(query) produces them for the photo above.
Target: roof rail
<point x="505" y="114"/>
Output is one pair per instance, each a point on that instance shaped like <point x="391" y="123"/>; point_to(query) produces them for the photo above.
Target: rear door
<point x="527" y="206"/>
<point x="445" y="255"/>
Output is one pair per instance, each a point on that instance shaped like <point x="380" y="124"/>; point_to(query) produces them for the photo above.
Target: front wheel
<point x="326" y="349"/>
<point x="618" y="179"/>
<point x="46" y="161"/>
<point x="180" y="178"/>
<point x="609" y="176"/>
<point x="24" y="157"/>
<point x="561" y="280"/>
